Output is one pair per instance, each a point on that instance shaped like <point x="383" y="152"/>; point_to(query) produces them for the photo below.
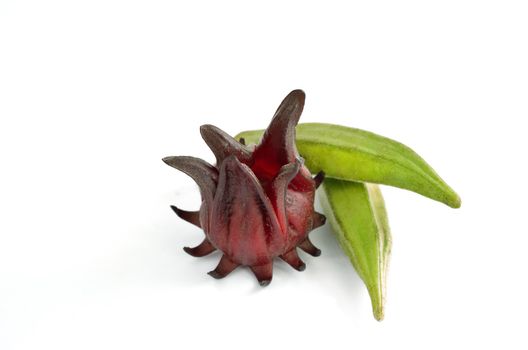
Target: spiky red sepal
<point x="257" y="204"/>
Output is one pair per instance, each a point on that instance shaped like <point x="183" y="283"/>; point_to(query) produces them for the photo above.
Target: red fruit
<point x="257" y="204"/>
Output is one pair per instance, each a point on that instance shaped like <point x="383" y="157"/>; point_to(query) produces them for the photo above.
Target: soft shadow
<point x="335" y="272"/>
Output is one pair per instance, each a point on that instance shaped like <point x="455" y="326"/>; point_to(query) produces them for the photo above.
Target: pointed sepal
<point x="279" y="186"/>
<point x="278" y="142"/>
<point x="224" y="268"/>
<point x="309" y="248"/>
<point x="202" y="249"/>
<point x="264" y="273"/>
<point x="192" y="217"/>
<point x="223" y="145"/>
<point x="203" y="173"/>
<point x="292" y="258"/>
<point x="243" y="223"/>
<point x="319" y="178"/>
<point x="318" y="220"/>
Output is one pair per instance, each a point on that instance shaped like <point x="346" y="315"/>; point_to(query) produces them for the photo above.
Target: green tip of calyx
<point x="456" y="203"/>
<point x="453" y="200"/>
<point x="377" y="299"/>
<point x="377" y="308"/>
<point x="378" y="314"/>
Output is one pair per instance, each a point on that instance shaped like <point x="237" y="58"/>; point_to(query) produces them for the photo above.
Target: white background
<point x="94" y="93"/>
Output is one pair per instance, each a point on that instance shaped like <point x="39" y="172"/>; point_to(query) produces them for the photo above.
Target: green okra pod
<point x="358" y="155"/>
<point x="358" y="217"/>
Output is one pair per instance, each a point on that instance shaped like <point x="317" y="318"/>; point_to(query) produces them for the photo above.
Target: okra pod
<point x="356" y="212"/>
<point x="358" y="155"/>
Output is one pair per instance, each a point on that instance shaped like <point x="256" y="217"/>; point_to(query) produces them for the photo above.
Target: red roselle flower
<point x="257" y="203"/>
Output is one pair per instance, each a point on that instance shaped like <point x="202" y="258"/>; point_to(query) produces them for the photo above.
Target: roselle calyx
<point x="257" y="203"/>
